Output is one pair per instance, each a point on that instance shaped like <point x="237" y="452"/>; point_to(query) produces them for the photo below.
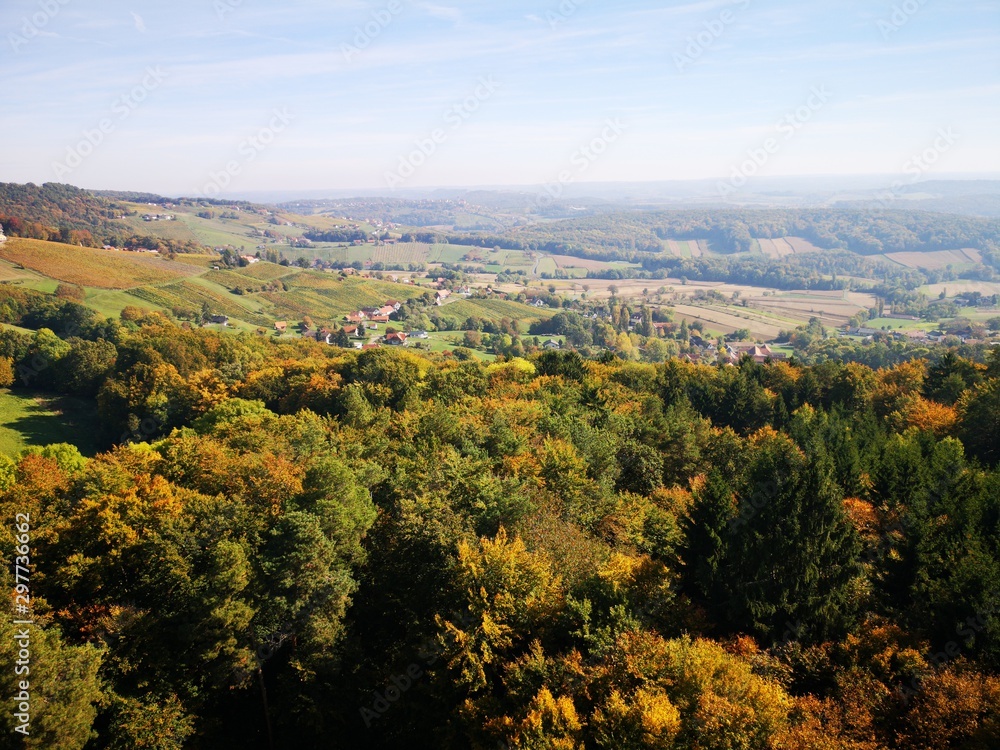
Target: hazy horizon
<point x="228" y="97"/>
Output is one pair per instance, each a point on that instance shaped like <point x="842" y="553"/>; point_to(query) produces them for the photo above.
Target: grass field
<point x="952" y="288"/>
<point x="937" y="259"/>
<point x="686" y="248"/>
<point x="110" y="303"/>
<point x="104" y="269"/>
<point x="265" y="271"/>
<point x="34" y="419"/>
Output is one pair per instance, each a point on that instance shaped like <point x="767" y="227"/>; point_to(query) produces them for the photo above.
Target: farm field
<point x="830" y="312"/>
<point x="192" y="294"/>
<point x="546" y="265"/>
<point x="265" y="271"/>
<point x="111" y="302"/>
<point x="178" y="229"/>
<point x="687" y="248"/>
<point x="28" y="419"/>
<point x="569" y="261"/>
<point x="778" y="248"/>
<point x="8" y="272"/>
<point x="718" y="318"/>
<point x="801" y="246"/>
<point x="937" y="259"/>
<point x="448" y="253"/>
<point x="105" y="269"/>
<point x="403" y="252"/>
<point x="491" y="309"/>
<point x="952" y="288"/>
<point x="895" y="324"/>
<point x="331" y="302"/>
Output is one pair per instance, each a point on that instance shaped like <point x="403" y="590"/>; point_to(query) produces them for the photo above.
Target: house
<point x="443" y="294"/>
<point x="537" y="302"/>
<point x="379" y="318"/>
<point x="220" y="319"/>
<point x="250" y="259"/>
<point x="354" y="330"/>
<point x="760" y="353"/>
<point x="395" y="339"/>
<point x="552" y="344"/>
<point x="356" y="317"/>
<point x="394" y="304"/>
<point x="319" y="336"/>
<point x="419" y="335"/>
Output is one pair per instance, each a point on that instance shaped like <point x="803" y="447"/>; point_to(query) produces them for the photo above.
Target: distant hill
<point x="57" y="212"/>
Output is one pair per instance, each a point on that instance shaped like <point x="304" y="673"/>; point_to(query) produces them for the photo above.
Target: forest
<point x="289" y="545"/>
<point x="628" y="235"/>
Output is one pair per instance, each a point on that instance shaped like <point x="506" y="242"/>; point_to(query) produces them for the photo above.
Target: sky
<point x="215" y="97"/>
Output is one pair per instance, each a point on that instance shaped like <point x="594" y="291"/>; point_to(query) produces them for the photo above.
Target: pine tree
<point x="707" y="530"/>
<point x="793" y="553"/>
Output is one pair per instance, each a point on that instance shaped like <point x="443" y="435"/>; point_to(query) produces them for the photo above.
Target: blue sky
<point x="696" y="88"/>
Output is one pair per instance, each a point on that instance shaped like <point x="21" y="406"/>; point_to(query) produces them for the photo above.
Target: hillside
<point x="257" y="295"/>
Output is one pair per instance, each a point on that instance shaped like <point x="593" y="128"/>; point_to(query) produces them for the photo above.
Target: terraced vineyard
<point x="191" y="295"/>
<point x="404" y="252"/>
<point x="266" y="271"/>
<point x="492" y="309"/>
<point x="104" y="269"/>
